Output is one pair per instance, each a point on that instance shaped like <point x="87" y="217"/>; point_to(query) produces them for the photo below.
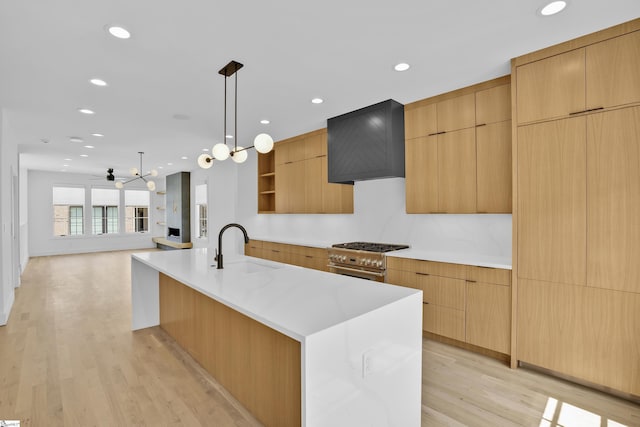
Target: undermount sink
<point x="249" y="267"/>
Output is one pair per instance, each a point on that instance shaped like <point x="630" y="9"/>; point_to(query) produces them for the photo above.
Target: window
<point x="68" y="211"/>
<point x="201" y="211"/>
<point x="104" y="209"/>
<point x="136" y="211"/>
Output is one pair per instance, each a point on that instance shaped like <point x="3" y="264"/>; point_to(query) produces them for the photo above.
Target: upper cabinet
<point x="294" y="178"/>
<point x="458" y="151"/>
<point x="591" y="78"/>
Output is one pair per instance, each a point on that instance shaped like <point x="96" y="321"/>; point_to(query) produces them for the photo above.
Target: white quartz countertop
<point x="295" y="301"/>
<point x="492" y="261"/>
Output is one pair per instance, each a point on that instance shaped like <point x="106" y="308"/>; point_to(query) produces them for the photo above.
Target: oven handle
<point x="355" y="270"/>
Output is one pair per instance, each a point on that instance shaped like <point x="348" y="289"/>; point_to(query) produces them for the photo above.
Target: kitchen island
<point x="295" y="346"/>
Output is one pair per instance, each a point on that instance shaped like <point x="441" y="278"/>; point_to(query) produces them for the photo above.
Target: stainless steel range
<point x="361" y="259"/>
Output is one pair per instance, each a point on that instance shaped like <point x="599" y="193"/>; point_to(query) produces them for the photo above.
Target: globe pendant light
<point x="137" y="173"/>
<point x="263" y="143"/>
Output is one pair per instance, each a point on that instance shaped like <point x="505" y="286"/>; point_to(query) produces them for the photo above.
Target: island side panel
<point x="367" y="371"/>
<point x="144" y="296"/>
<point x="259" y="366"/>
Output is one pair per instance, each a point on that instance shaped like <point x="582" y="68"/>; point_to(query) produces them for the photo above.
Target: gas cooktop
<point x="370" y="247"/>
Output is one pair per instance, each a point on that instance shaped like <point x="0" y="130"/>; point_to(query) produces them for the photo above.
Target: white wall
<point x="42" y="242"/>
<point x="9" y="243"/>
<point x="379" y="216"/>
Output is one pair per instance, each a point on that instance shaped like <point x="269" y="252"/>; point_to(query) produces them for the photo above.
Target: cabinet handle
<point x="437" y="133"/>
<point x="471" y="281"/>
<point x="481" y="124"/>
<point x="422" y="274"/>
<point x="273" y="250"/>
<point x="425" y="303"/>
<point x="287" y="163"/>
<point x="586" y="111"/>
<point x="308" y="256"/>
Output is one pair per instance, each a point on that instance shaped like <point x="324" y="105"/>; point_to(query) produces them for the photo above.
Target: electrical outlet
<point x="367" y="364"/>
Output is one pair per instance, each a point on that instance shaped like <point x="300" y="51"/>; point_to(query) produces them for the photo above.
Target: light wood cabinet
<point x="335" y="197"/>
<point x="469" y="304"/>
<point x="583" y="332"/>
<point x="457" y="171"/>
<point x="493" y="152"/>
<point x="456" y="113"/>
<point x="597" y="76"/>
<point x="258" y="365"/>
<point x="493" y="105"/>
<point x="552" y="201"/>
<point x="488" y="316"/>
<point x="421" y="165"/>
<point x="613" y="196"/>
<point x="302" y="256"/>
<point x="458" y="151"/>
<point x="552" y="87"/>
<point x="420" y="121"/>
<point x="612" y="71"/>
<point x="576" y="229"/>
<point x="299" y="177"/>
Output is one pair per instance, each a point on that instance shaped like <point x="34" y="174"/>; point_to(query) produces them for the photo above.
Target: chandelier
<point x="137" y="174"/>
<point x="262" y="143"/>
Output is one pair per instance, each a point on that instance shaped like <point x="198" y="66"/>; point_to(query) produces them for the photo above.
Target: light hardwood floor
<point x="69" y="358"/>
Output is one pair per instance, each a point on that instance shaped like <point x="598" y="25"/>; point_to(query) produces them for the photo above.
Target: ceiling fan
<point x="109" y="176"/>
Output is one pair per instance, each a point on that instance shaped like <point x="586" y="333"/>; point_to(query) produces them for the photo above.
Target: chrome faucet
<point x="219" y="250"/>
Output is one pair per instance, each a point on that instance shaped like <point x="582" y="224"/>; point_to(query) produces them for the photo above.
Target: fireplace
<point x="178" y="211"/>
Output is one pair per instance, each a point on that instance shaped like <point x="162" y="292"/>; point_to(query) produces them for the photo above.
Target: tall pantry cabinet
<point x="576" y="216"/>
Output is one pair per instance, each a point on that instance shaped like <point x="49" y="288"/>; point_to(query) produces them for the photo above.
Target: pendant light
<point x="137" y="173"/>
<point x="263" y="143"/>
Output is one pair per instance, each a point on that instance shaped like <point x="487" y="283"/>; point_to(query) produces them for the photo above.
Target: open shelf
<point x="267" y="182"/>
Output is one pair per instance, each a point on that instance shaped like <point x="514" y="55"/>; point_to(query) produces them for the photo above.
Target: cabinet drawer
<point x="313" y="252"/>
<point x="489" y="275"/>
<point x="444" y="321"/>
<point x="276" y="247"/>
<point x="442" y="291"/>
<point x="457" y="271"/>
<point x="406" y="264"/>
<point x="402" y="278"/>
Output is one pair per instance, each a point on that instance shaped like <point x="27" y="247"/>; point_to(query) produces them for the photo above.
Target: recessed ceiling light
<point x="89" y="146"/>
<point x="63" y="170"/>
<point x="98" y="82"/>
<point x="68" y="160"/>
<point x="160" y="167"/>
<point x="265" y="121"/>
<point x="86" y="111"/>
<point x="119" y="32"/>
<point x="66" y="166"/>
<point x="184" y="157"/>
<point x="553" y="8"/>
<point x="229" y="136"/>
<point x="84" y="155"/>
<point x="169" y="164"/>
<point x="205" y="149"/>
<point x="403" y="66"/>
<point x="99" y="135"/>
<point x="75" y="139"/>
<point x="317" y="100"/>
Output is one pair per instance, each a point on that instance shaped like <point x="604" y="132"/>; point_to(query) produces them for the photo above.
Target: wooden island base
<point x="258" y="365"/>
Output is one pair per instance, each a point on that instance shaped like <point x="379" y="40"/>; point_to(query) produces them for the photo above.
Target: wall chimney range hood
<point x="367" y="143"/>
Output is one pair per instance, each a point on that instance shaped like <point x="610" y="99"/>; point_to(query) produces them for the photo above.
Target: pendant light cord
<point x="235" y="118"/>
<point x="224" y="137"/>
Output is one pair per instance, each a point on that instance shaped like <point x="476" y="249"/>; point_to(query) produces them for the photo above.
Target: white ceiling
<point x="341" y="51"/>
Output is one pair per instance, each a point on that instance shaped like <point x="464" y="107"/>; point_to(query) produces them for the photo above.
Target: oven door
<point x="377" y="276"/>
